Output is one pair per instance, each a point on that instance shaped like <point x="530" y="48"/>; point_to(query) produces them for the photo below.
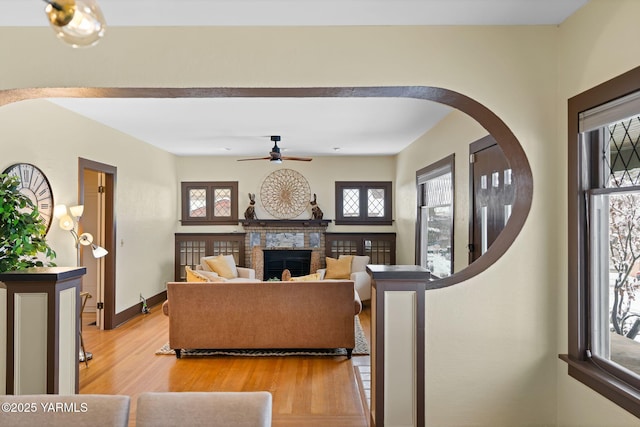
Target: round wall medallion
<point x="285" y="193"/>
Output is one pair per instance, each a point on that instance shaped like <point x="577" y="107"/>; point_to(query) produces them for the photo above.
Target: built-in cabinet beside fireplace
<point x="190" y="247"/>
<point x="380" y="247"/>
<point x="307" y="237"/>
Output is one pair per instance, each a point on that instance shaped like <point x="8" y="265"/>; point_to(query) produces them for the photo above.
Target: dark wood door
<point x="492" y="193"/>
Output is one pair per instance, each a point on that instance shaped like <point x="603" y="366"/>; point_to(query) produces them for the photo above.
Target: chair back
<point x="78" y="410"/>
<point x="204" y="409"/>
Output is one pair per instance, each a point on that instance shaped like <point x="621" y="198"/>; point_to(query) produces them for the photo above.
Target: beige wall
<point x="493" y="340"/>
<point x="320" y="173"/>
<point x="53" y="139"/>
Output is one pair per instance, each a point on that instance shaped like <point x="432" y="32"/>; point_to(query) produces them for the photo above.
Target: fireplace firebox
<point x="297" y="261"/>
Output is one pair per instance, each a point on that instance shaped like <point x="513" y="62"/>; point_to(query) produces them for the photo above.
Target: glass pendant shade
<point x="79" y="23"/>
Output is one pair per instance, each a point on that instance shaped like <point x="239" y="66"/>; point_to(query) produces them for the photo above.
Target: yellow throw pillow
<point x="338" y="268"/>
<point x="220" y="265"/>
<point x="193" y="276"/>
<point x="308" y="278"/>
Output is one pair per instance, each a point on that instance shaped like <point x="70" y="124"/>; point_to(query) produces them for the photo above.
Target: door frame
<point x="475" y="147"/>
<point x="109" y="243"/>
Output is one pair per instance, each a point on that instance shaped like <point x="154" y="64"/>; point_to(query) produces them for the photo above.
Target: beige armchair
<point x="204" y="409"/>
<point x="359" y="275"/>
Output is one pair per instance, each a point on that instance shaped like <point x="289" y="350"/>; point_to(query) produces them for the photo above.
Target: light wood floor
<point x="307" y="391"/>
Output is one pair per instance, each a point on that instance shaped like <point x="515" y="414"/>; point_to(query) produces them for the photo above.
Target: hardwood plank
<point x="307" y="391"/>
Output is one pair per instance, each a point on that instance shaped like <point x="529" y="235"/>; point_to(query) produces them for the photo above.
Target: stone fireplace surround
<point x="284" y="234"/>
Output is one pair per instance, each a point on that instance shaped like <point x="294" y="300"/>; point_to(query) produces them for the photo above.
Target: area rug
<point x="362" y="348"/>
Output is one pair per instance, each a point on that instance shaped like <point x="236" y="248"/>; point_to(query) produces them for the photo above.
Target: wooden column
<point x="398" y="344"/>
<point x="39" y="330"/>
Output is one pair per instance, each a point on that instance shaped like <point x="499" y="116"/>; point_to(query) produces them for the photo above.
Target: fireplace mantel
<point x="288" y="223"/>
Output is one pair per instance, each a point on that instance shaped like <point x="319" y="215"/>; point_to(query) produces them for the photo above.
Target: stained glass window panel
<point x="351" y="202"/>
<point x="197" y="202"/>
<point x="222" y="202"/>
<point x="375" y="202"/>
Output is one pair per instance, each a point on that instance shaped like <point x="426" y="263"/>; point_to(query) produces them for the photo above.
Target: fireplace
<point x="297" y="261"/>
<point x="288" y="240"/>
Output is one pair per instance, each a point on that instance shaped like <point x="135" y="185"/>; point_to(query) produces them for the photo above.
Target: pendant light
<point x="79" y="23"/>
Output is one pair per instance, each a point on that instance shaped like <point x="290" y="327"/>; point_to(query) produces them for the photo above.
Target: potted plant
<point x="22" y="231"/>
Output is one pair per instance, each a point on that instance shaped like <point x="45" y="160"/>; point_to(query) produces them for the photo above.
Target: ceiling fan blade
<point x="300" y="159"/>
<point x="255" y="158"/>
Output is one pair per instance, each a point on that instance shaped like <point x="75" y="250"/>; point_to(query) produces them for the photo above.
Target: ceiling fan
<point x="275" y="156"/>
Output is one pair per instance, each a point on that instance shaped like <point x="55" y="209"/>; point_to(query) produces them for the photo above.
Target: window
<point x="363" y="203"/>
<point x="604" y="240"/>
<point x="209" y="203"/>
<point x="435" y="217"/>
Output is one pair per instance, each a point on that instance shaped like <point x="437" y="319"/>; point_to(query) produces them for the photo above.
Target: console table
<point x="39" y="330"/>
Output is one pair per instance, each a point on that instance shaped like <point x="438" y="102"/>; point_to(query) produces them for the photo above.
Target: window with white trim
<point x="604" y="240"/>
<point x="435" y="217"/>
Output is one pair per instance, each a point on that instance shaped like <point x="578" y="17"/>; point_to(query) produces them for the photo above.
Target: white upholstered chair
<point x="359" y="275"/>
<point x="204" y="409"/>
<point x="78" y="410"/>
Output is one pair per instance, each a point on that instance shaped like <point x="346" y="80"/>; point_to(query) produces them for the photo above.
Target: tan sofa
<point x="262" y="315"/>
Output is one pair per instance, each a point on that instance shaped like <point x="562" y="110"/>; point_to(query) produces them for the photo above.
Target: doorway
<point x="492" y="194"/>
<point x="96" y="191"/>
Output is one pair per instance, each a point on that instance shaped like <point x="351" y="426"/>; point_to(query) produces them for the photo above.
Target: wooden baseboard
<point x="131" y="312"/>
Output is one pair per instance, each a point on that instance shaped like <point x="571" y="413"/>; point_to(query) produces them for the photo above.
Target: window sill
<point x="604" y="383"/>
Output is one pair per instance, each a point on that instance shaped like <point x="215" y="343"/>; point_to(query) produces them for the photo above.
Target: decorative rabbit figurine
<point x="250" y="213"/>
<point x="316" y="212"/>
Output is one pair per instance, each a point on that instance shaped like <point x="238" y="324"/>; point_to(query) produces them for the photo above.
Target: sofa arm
<point x="246" y="273"/>
<point x="165" y="307"/>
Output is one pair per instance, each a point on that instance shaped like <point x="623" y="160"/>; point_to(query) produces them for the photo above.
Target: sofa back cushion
<point x="262" y="315"/>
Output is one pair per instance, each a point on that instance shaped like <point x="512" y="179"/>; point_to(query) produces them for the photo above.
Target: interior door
<point x="93" y="222"/>
<point x="492" y="193"/>
<point x="106" y="235"/>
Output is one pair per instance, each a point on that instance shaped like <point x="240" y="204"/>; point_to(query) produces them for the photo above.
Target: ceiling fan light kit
<point x="275" y="156"/>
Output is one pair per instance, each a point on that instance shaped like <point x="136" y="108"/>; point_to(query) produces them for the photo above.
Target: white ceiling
<point x="309" y="12"/>
<point x="309" y="127"/>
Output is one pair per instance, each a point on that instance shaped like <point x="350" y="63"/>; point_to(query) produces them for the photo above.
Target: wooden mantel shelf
<point x="285" y="222"/>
